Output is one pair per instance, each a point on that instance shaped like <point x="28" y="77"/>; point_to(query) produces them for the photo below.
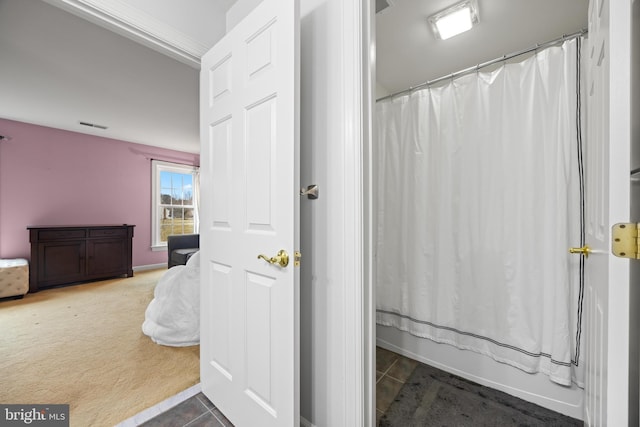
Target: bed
<point x="172" y="318"/>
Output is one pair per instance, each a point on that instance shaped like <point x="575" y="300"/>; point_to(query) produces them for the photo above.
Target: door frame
<point x="359" y="78"/>
<point x="617" y="347"/>
<point x="618" y="325"/>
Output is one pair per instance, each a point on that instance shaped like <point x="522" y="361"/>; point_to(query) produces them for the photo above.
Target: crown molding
<point x="133" y="23"/>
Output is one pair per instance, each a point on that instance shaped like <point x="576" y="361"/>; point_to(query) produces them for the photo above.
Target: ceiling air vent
<point x="382" y="5"/>
<point x="93" y="125"/>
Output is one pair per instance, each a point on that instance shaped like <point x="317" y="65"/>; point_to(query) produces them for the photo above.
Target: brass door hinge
<point x="624" y="240"/>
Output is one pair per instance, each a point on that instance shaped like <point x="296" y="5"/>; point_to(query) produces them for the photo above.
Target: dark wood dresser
<point x="69" y="254"/>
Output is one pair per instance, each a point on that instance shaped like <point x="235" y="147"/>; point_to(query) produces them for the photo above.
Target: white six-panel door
<point x="607" y="201"/>
<point x="250" y="206"/>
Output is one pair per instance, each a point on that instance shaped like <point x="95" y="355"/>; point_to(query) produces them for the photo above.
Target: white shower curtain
<point x="477" y="202"/>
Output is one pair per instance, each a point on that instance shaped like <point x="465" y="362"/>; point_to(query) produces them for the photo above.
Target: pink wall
<point x="55" y="177"/>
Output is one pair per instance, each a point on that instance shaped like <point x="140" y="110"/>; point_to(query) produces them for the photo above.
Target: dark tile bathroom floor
<point x="410" y="393"/>
<point x="393" y="401"/>
<point x="392" y="371"/>
<point x="196" y="411"/>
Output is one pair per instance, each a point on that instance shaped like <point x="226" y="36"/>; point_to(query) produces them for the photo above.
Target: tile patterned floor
<point x="196" y="411"/>
<point x="392" y="370"/>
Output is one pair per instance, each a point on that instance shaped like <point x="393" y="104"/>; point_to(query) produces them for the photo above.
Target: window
<point x="175" y="201"/>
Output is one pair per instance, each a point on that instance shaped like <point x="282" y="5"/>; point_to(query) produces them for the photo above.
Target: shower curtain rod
<point x="486" y="64"/>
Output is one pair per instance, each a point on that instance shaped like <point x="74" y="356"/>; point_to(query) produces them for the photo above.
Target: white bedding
<point x="173" y="316"/>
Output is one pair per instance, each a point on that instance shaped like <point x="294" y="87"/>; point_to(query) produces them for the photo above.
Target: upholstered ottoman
<point x="14" y="277"/>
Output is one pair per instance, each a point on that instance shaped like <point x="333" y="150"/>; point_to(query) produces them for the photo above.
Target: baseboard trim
<point x="149" y="267"/>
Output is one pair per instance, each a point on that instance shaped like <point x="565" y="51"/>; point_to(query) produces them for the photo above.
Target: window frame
<point x="157" y="167"/>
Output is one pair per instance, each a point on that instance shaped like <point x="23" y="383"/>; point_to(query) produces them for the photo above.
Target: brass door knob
<point x="282" y="258"/>
<point x="585" y="250"/>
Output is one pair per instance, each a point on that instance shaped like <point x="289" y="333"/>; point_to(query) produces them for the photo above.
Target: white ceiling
<point x="408" y="54"/>
<point x="191" y="17"/>
<point x="58" y="69"/>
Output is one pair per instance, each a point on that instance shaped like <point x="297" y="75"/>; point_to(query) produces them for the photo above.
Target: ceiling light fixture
<point x="455" y="19"/>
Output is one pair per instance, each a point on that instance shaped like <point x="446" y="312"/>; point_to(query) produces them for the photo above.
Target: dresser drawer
<point x="108" y="232"/>
<point x="61" y="234"/>
<point x="62" y="255"/>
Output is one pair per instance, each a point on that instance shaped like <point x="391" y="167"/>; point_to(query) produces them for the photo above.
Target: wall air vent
<point x="93" y="125"/>
<point x="383" y="4"/>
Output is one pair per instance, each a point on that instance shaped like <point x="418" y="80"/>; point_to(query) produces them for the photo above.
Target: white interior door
<point x="250" y="206"/>
<point x="607" y="200"/>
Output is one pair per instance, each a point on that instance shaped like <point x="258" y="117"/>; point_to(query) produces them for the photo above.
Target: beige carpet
<point x="83" y="345"/>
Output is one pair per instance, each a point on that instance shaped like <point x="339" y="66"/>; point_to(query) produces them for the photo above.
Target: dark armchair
<point x="180" y="247"/>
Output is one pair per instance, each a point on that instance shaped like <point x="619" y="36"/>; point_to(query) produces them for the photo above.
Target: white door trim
<point x="139" y="26"/>
<point x="619" y="133"/>
<point x="359" y="324"/>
